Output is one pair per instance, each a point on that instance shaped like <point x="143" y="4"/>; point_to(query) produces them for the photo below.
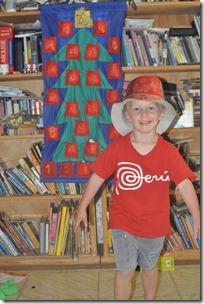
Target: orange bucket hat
<point x="147" y="88"/>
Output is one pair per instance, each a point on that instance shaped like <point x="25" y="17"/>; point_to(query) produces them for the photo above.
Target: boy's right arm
<point x="93" y="185"/>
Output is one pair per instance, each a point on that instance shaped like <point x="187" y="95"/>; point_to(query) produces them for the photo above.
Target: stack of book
<point x="159" y="46"/>
<point x="18" y="237"/>
<point x="56" y="233"/>
<point x="192" y="88"/>
<point x="182" y="234"/>
<point x="24" y="177"/>
<point x="53" y="235"/>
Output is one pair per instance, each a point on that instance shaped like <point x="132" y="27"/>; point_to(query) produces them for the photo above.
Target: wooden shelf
<point x="18" y="137"/>
<point x="142" y="8"/>
<point x="127" y="70"/>
<point x="162" y="69"/>
<point x="46" y="262"/>
<point x="160" y="8"/>
<point x="28" y="17"/>
<point x="21" y="76"/>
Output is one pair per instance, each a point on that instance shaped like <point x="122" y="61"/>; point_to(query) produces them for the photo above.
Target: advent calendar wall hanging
<point x="82" y="79"/>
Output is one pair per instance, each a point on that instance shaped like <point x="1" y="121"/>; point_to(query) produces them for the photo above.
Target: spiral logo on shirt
<point x="130" y="177"/>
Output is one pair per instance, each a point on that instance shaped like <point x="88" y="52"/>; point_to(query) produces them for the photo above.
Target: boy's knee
<point x="126" y="275"/>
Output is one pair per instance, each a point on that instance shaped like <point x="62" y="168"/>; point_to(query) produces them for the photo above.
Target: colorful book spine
<point x="52" y="234"/>
<point x="136" y="46"/>
<point x="6" y="50"/>
<point x="61" y="227"/>
<point x="125" y="47"/>
<point x="180" y="227"/>
<point x="31" y="235"/>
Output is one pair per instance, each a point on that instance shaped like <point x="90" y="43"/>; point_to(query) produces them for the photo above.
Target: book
<point x="190" y="46"/>
<point x="63" y="217"/>
<point x="3" y="189"/>
<point x="16" y="182"/>
<point x="136" y="46"/>
<point x="182" y="31"/>
<point x="59" y="211"/>
<point x="42" y="233"/>
<point x="172" y="58"/>
<point x="20" y="231"/>
<point x="65" y="234"/>
<point x="18" y="171"/>
<point x="125" y="47"/>
<point x="150" y="47"/>
<point x="34" y="52"/>
<point x="47" y="230"/>
<point x="32" y="174"/>
<point x="130" y="51"/>
<point x="14" y="234"/>
<point x="18" y="55"/>
<point x="6" y="50"/>
<point x="133" y="52"/>
<point x="31" y="235"/>
<point x="13" y="250"/>
<point x="143" y="51"/>
<point x="53" y="228"/>
<point x="189" y="231"/>
<point x="180" y="228"/>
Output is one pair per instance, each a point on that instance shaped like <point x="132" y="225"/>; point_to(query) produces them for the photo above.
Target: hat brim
<point x="123" y="126"/>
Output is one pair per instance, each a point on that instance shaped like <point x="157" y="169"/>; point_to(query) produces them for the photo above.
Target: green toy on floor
<point x="8" y="289"/>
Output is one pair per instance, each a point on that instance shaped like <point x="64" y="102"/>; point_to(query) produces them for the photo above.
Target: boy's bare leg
<point x="150" y="278"/>
<point x="122" y="284"/>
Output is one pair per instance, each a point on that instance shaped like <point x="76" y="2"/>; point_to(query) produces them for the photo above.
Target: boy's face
<point x="144" y="115"/>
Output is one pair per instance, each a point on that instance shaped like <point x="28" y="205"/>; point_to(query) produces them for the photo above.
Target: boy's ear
<point x="127" y="116"/>
<point x="161" y="116"/>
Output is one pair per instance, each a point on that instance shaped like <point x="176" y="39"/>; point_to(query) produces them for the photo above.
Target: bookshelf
<point x="175" y="14"/>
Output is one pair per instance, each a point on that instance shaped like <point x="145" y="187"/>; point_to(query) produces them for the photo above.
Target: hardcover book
<point x="6" y="50"/>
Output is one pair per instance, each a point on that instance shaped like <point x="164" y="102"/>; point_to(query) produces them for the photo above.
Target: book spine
<point x="125" y="47"/>
<point x="34" y="52"/>
<point x="13" y="180"/>
<point x="143" y="50"/>
<point x="42" y="234"/>
<point x="21" y="175"/>
<point x="189" y="44"/>
<point x="52" y="234"/>
<point x="6" y="50"/>
<point x="9" y="244"/>
<point x="147" y="38"/>
<point x="18" y="55"/>
<point x="179" y="226"/>
<point x="137" y="49"/>
<point x="130" y="52"/>
<point x="171" y="56"/>
<point x="31" y="235"/>
<point x="13" y="173"/>
<point x="61" y="229"/>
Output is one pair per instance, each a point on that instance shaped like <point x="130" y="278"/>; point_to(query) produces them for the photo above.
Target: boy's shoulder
<point x="120" y="140"/>
<point x="167" y="144"/>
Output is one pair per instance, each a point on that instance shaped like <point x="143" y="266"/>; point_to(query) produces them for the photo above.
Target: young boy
<point x="142" y="164"/>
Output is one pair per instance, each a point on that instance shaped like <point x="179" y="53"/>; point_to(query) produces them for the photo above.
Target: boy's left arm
<point x="188" y="193"/>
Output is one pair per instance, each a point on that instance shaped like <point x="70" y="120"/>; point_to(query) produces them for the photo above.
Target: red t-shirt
<point x="140" y="198"/>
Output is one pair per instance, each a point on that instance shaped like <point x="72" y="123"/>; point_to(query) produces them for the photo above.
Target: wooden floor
<point x="183" y="283"/>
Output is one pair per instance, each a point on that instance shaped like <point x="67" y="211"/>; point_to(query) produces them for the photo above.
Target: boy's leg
<point x="122" y="284"/>
<point x="150" y="279"/>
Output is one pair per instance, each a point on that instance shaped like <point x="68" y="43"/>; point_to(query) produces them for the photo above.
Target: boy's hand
<point x="81" y="216"/>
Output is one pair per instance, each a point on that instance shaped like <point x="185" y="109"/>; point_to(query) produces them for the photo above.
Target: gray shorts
<point x="131" y="250"/>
